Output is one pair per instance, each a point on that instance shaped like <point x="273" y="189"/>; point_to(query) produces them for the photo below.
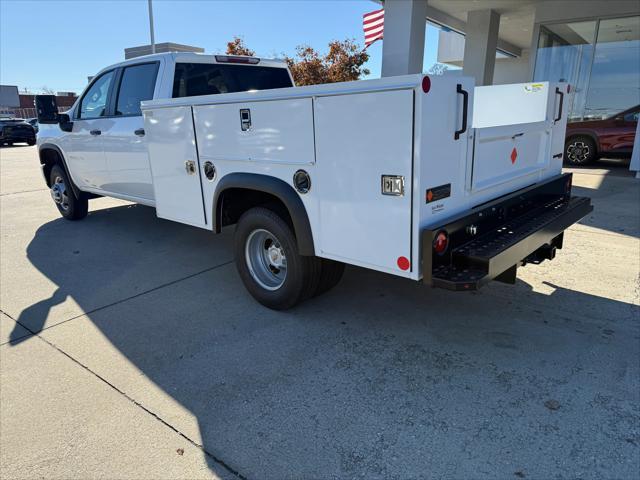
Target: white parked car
<point x="427" y="178"/>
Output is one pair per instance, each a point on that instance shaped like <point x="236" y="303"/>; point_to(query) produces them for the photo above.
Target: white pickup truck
<point x="423" y="177"/>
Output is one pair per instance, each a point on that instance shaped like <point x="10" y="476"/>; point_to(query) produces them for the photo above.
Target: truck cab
<point x="103" y="143"/>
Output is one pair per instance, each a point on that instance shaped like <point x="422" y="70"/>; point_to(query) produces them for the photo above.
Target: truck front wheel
<point x="268" y="261"/>
<point x="68" y="205"/>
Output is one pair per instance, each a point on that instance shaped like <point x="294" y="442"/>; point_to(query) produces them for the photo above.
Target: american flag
<point x="373" y="26"/>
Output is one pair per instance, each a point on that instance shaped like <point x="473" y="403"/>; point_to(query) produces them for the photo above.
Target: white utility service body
<point x="424" y="177"/>
<point x="348" y="137"/>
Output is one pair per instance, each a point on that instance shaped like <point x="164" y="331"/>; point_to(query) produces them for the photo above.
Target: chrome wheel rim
<point x="266" y="260"/>
<point x="59" y="193"/>
<point x="578" y="152"/>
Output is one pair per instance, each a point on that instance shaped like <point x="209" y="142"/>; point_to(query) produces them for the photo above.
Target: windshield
<point x="193" y="79"/>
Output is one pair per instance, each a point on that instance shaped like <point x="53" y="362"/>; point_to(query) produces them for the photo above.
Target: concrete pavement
<point x="130" y="349"/>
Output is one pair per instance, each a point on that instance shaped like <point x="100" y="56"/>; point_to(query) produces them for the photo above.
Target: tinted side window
<point x="94" y="102"/>
<point x="138" y="83"/>
<point x="192" y="79"/>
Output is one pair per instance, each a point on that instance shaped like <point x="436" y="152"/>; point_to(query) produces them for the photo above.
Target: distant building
<point x="64" y="101"/>
<point x="160" y="48"/>
<point x="20" y="105"/>
<point x="9" y="99"/>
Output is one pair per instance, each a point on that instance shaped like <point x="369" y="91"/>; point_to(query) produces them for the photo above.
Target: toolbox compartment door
<point x="175" y="170"/>
<point x="276" y="131"/>
<point x="507" y="153"/>
<point x="512" y="133"/>
<point x="359" y="139"/>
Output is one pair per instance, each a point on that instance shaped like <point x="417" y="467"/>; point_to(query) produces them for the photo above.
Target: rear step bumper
<point x="490" y="243"/>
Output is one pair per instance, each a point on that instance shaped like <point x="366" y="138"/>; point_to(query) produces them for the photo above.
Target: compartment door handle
<point x="465" y="108"/>
<point x="559" y="92"/>
<point x="190" y="167"/>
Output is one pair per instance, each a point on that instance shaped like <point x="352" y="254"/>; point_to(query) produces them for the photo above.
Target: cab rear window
<point x="193" y="79"/>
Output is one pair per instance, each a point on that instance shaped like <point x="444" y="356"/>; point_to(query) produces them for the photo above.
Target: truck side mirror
<point x="66" y="125"/>
<point x="47" y="109"/>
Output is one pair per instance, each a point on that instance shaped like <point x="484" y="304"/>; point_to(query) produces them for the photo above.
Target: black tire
<point x="579" y="151"/>
<point x="69" y="206"/>
<point x="330" y="275"/>
<point x="252" y="245"/>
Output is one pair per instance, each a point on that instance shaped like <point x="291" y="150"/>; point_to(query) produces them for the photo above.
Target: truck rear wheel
<point x="268" y="262"/>
<point x="331" y="273"/>
<point x="68" y="205"/>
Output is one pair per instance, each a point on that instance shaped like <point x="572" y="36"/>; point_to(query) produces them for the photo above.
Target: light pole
<point x="153" y="41"/>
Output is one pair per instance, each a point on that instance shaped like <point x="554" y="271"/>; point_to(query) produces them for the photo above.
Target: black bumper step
<point x="528" y="228"/>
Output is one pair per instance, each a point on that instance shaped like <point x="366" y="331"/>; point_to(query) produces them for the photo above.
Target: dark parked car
<point x="16" y="130"/>
<point x="590" y="139"/>
<point x="34" y="123"/>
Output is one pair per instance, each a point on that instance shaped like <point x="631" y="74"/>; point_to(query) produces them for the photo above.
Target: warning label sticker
<point x="533" y="87"/>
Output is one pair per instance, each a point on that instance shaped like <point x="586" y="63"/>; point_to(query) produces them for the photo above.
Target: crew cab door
<point x="84" y="144"/>
<point x="124" y="141"/>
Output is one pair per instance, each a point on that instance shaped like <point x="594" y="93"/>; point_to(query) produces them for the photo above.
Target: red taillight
<point x="426" y="84"/>
<point x="237" y="59"/>
<point x="403" y="263"/>
<point x="441" y="242"/>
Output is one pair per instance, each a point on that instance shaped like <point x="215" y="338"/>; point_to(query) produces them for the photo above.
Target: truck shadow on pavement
<point x="380" y="378"/>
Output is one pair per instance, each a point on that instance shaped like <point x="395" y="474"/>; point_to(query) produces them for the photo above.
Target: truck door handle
<point x="95" y="132"/>
<point x="465" y="108"/>
<point x="139" y="132"/>
<point x="558" y="91"/>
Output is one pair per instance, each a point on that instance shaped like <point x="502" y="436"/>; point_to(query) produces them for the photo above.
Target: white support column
<point x="481" y="40"/>
<point x="403" y="44"/>
<point x="634" y="166"/>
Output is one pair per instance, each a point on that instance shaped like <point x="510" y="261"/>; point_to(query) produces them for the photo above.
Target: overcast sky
<point x="59" y="43"/>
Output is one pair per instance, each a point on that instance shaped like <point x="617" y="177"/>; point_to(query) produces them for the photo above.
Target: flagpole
<point x="153" y="41"/>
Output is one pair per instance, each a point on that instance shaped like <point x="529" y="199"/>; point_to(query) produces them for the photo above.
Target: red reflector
<point x="441" y="242"/>
<point x="403" y="263"/>
<point x="236" y="59"/>
<point x="514" y="155"/>
<point x="426" y="84"/>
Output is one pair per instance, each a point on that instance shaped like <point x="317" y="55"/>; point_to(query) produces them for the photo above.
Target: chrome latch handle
<point x="190" y="167"/>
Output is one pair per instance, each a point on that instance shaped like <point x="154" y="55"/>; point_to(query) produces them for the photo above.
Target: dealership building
<point x="594" y="45"/>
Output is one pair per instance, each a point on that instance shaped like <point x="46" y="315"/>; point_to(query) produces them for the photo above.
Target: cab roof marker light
<point x="237" y="59"/>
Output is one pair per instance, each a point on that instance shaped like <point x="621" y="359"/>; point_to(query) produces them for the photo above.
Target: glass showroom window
<point x="614" y="84"/>
<point x="564" y="54"/>
<point x="601" y="60"/>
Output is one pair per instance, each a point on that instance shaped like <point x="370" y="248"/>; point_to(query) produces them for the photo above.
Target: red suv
<point x="590" y="139"/>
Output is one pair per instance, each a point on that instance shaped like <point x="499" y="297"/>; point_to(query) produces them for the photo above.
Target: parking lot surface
<point x="130" y="349"/>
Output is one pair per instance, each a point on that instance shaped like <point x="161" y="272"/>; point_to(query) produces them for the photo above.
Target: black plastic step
<point x="489" y="255"/>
